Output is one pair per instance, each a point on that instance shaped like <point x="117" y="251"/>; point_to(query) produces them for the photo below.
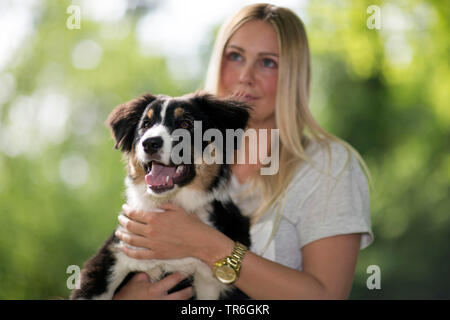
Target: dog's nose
<point x="153" y="144"/>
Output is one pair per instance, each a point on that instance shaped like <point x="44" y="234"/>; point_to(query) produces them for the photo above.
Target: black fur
<point x="225" y="114"/>
<point x="96" y="271"/>
<point x="227" y="218"/>
<point x="124" y="120"/>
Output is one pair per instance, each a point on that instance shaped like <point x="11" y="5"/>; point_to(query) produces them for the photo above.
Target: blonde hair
<point x="296" y="125"/>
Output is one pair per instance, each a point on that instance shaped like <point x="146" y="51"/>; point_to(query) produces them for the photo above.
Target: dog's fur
<point x="201" y="189"/>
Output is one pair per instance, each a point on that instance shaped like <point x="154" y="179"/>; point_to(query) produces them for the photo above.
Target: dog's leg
<point x="118" y="274"/>
<point x="101" y="275"/>
<point x="205" y="290"/>
<point x="206" y="286"/>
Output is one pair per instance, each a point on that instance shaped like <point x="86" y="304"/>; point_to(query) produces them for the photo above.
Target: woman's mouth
<point x="244" y="97"/>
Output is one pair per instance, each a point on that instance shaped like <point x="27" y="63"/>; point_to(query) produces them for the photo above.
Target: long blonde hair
<point x="296" y="125"/>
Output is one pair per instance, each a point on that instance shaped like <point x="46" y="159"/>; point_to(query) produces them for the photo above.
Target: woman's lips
<point x="245" y="97"/>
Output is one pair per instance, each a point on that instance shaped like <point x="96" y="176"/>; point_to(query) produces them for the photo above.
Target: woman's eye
<point x="234" y="56"/>
<point x="268" y="63"/>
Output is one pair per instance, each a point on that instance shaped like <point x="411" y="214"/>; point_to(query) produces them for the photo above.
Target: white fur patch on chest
<point x="192" y="201"/>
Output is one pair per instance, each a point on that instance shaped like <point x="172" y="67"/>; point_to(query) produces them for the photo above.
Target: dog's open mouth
<point x="161" y="178"/>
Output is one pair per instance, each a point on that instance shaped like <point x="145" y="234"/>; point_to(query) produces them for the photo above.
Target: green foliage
<point x="397" y="114"/>
<point x="59" y="197"/>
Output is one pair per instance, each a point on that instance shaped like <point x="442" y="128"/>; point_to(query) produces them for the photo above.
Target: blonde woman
<point x="309" y="220"/>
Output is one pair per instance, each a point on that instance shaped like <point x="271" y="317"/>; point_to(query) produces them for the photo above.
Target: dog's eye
<point x="146" y="123"/>
<point x="185" y="124"/>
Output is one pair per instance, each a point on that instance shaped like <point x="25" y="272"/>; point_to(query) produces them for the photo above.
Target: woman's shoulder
<point x="324" y="157"/>
<point x="329" y="163"/>
<point x="330" y="196"/>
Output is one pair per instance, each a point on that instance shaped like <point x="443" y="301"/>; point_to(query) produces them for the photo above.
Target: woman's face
<point x="249" y="70"/>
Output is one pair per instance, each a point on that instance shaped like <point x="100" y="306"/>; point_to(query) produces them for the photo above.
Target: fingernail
<point x="142" y="276"/>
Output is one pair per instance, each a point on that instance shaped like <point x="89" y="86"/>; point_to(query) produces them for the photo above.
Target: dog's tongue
<point x="160" y="175"/>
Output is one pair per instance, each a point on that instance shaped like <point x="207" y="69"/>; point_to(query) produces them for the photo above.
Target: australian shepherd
<point x="144" y="130"/>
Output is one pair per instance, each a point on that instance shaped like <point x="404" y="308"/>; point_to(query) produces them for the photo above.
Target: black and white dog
<point x="143" y="130"/>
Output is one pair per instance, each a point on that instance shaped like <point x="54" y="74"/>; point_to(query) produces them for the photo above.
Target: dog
<point x="143" y="129"/>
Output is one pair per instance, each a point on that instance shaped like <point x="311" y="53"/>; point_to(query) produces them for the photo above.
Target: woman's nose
<point x="247" y="75"/>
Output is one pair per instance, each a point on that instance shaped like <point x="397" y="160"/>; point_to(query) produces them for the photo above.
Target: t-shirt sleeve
<point x="337" y="203"/>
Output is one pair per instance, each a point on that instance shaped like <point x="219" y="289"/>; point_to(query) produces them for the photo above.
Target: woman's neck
<point x="244" y="171"/>
<point x="268" y="123"/>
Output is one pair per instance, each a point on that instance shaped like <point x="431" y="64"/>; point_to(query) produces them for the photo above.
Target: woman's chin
<point x="262" y="121"/>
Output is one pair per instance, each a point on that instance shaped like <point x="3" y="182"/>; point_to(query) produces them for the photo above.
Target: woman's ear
<point x="225" y="113"/>
<point x="123" y="121"/>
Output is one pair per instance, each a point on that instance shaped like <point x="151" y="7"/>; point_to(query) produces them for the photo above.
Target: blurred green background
<point x="384" y="90"/>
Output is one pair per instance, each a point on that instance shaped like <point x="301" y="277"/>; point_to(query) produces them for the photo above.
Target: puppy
<point x="145" y="130"/>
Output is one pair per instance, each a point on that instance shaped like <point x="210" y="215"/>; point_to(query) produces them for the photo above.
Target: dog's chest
<point x="193" y="201"/>
<point x="139" y="200"/>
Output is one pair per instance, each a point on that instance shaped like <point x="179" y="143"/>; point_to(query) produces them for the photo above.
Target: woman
<point x="309" y="220"/>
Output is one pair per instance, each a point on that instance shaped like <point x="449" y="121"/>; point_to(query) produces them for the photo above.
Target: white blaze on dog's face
<point x="156" y="141"/>
<point x="145" y="127"/>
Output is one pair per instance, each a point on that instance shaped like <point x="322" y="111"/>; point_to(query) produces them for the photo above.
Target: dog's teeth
<point x="180" y="168"/>
<point x="167" y="179"/>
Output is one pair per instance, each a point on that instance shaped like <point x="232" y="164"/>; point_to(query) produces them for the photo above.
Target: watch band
<point x="237" y="255"/>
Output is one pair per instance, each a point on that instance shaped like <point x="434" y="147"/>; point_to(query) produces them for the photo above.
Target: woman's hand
<point x="171" y="234"/>
<point x="140" y="288"/>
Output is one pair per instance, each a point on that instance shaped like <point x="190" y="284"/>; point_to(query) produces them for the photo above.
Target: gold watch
<point x="227" y="269"/>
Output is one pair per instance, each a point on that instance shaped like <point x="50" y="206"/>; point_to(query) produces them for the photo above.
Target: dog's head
<point x="148" y="128"/>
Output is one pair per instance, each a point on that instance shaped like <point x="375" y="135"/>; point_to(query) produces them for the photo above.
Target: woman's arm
<point x="328" y="264"/>
<point x="328" y="269"/>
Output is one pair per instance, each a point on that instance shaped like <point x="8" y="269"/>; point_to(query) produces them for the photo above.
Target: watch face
<point x="225" y="274"/>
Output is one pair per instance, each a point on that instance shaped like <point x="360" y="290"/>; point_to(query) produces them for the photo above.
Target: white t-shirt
<point x="305" y="215"/>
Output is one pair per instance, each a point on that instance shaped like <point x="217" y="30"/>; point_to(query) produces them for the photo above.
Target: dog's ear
<point x="224" y="112"/>
<point x="124" y="119"/>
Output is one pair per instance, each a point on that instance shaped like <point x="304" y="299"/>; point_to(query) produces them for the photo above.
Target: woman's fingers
<point x="143" y="217"/>
<point x="132" y="226"/>
<point x="140" y="277"/>
<point x="138" y="216"/>
<point x="184" y="294"/>
<point x="140" y="254"/>
<point x="132" y="239"/>
<point x="139" y="287"/>
<point x="167" y="283"/>
<point x="168" y="206"/>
